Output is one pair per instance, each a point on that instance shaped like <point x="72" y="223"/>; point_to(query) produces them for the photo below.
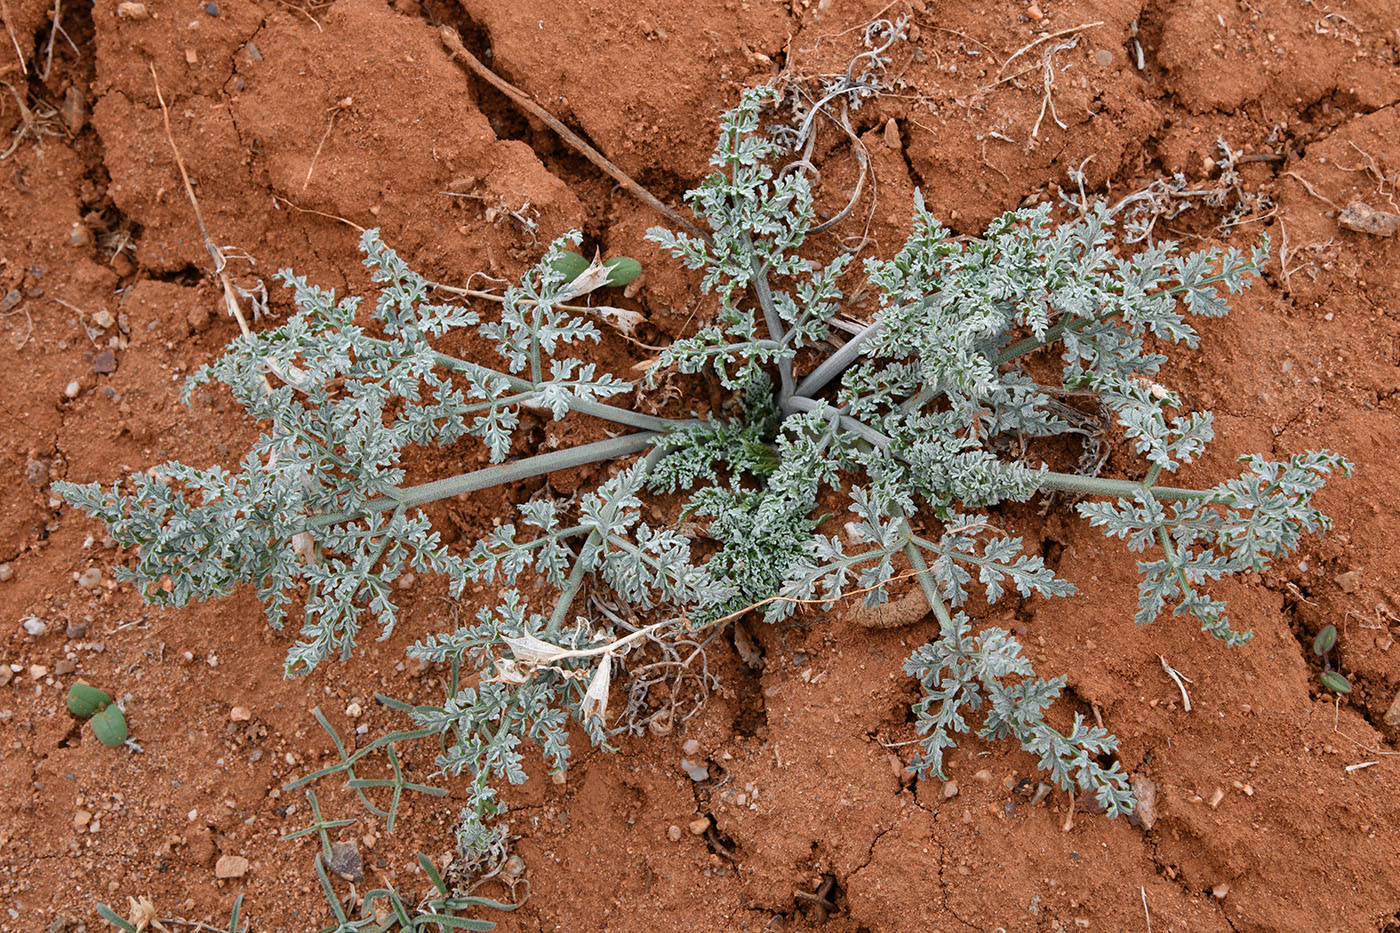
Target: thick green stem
<point x="632" y="419"/>
<point x="1117" y="488"/>
<point x="1170" y="553"/>
<point x="571" y="588"/>
<point x="495" y="476"/>
<point x="926" y="581"/>
<point x="1050" y="480"/>
<point x="855" y="426"/>
<point x="596" y="538"/>
<point x="1031" y="344"/>
<point x="775" y="328"/>
<point x="836" y="364"/>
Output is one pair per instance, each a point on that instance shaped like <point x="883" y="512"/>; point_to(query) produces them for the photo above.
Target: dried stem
<point x="453" y="41"/>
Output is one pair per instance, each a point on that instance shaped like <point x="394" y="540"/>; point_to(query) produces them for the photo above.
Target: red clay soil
<point x="1277" y="806"/>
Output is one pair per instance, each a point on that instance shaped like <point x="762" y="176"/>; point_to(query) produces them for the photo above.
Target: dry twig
<point x="1178" y="677"/>
<point x="330" y="125"/>
<point x="1047" y="101"/>
<point x="1336" y="727"/>
<point x="220" y="263"/>
<point x="459" y="52"/>
<point x="307" y="210"/>
<point x="1046" y="38"/>
<point x="1311" y="190"/>
<point x="9" y="27"/>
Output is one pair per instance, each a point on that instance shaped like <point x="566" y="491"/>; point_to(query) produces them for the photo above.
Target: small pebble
<point x="129" y="10"/>
<point x="230" y="866"/>
<point x="7" y="573"/>
<point x="105" y="362"/>
<point x="697" y="772"/>
<point x="34" y="627"/>
<point x="75" y="629"/>
<point x="698" y="827"/>
<point x="90" y="578"/>
<point x="65" y="666"/>
<point x="1145" y="792"/>
<point x="6" y="675"/>
<point x="38" y="671"/>
<point x="406" y="581"/>
<point x="983" y="777"/>
<point x="1392" y="715"/>
<point x="212" y="8"/>
<point x="354" y="711"/>
<point x="513" y="868"/>
<point x="1220" y="890"/>
<point x="345" y="862"/>
<point x="892" y="139"/>
<point x="72" y="389"/>
<point x="240" y="714"/>
<point x="950" y="790"/>
<point x="1363" y="218"/>
<point x="674" y="834"/>
<point x="691" y="748"/>
<point x="81" y="819"/>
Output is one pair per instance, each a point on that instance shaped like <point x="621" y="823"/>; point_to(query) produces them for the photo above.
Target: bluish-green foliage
<point x="879" y="465"/>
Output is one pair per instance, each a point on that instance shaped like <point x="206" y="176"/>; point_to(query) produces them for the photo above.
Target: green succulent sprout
<point x="570" y="264"/>
<point x="109" y="726"/>
<point x="86" y="701"/>
<point x="96" y="706"/>
<point x="621" y="270"/>
<point x="1322" y="646"/>
<point x="1335" y="682"/>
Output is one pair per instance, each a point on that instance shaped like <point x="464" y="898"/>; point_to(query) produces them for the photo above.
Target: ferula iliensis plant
<point x="905" y="424"/>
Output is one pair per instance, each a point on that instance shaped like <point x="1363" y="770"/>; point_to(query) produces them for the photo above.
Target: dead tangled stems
<point x="34" y="122"/>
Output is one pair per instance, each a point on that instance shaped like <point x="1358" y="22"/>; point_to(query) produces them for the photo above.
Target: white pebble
<point x="35" y="627"/>
<point x="90" y="578"/>
<point x="72" y="389"/>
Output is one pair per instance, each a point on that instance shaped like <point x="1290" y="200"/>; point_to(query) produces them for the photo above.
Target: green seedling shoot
<point x="1322" y="646"/>
<point x="621" y="270"/>
<point x="106" y="718"/>
<point x="85" y="700"/>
